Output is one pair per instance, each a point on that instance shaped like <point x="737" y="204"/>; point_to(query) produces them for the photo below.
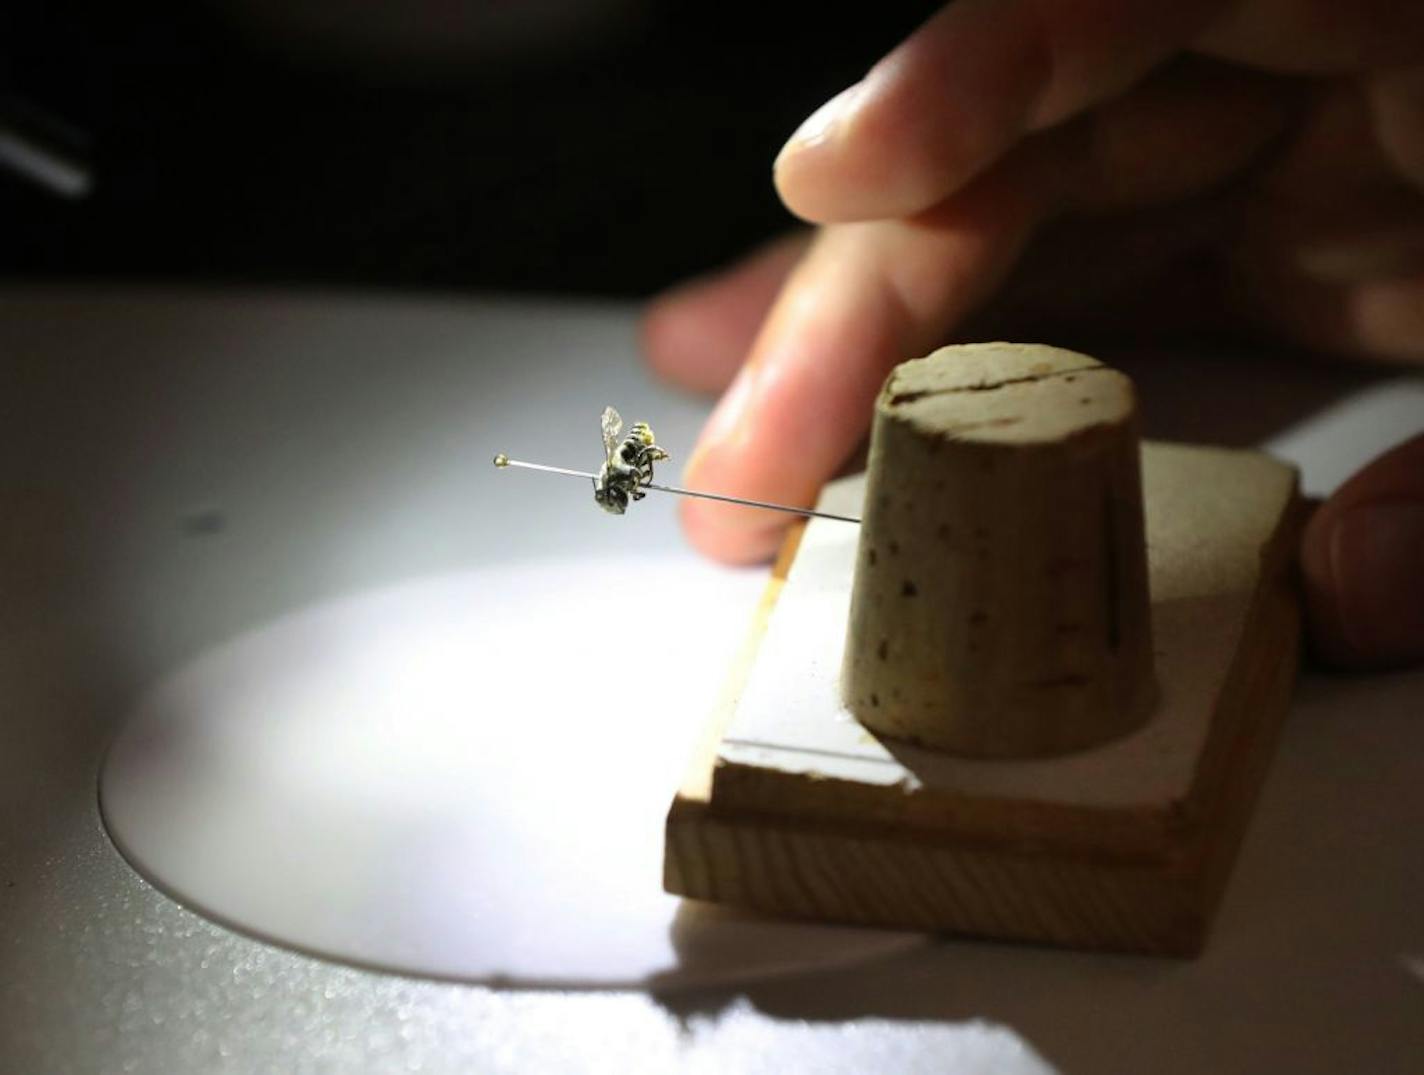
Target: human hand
<point x="1257" y="164"/>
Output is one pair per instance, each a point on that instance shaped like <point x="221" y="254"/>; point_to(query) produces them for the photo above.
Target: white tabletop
<point x="180" y="468"/>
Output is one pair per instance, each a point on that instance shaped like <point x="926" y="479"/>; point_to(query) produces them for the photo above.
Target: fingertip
<point x="655" y="325"/>
<point x="884" y="149"/>
<point x="788" y="179"/>
<point x="716" y="534"/>
<point x="673" y="347"/>
<point x="728" y="462"/>
<point x="807" y="172"/>
<point x="1328" y="642"/>
<point x="696" y="334"/>
<point x="864" y="167"/>
<point x="1362" y="563"/>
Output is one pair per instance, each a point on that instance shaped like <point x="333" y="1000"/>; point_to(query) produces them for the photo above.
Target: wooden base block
<point x="792" y="807"/>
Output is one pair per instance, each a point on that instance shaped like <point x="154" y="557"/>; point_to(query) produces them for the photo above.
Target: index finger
<point x="863" y="297"/>
<point x="963" y="89"/>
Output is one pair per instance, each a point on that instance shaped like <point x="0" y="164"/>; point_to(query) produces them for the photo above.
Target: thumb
<point x="1363" y="562"/>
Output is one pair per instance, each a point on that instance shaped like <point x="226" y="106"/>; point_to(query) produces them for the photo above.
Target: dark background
<point x="611" y="161"/>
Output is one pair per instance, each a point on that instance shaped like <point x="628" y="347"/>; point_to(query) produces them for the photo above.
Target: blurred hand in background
<point x="1255" y="166"/>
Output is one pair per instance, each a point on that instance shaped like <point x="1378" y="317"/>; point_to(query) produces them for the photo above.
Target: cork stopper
<point x="1000" y="604"/>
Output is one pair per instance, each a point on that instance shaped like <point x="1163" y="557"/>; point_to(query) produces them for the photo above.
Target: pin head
<point x="501" y="460"/>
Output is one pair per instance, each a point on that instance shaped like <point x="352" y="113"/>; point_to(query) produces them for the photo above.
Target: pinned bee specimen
<point x="627" y="467"/>
<point x="627" y="473"/>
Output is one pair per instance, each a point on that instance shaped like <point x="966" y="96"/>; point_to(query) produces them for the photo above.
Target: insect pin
<point x="627" y="465"/>
<point x="627" y="473"/>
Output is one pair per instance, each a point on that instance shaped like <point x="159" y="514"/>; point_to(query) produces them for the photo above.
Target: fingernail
<point x="1377" y="569"/>
<point x="820" y="126"/>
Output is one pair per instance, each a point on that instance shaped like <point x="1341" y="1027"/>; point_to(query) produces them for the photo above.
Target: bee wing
<point x="612" y="426"/>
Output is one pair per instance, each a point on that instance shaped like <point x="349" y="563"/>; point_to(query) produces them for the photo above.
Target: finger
<point x="1182" y="131"/>
<point x="697" y="334"/>
<point x="865" y="297"/>
<point x="1146" y="182"/>
<point x="1317" y="36"/>
<point x="870" y="295"/>
<point x="1362" y="559"/>
<point x="962" y="90"/>
<point x="1397" y="103"/>
<point x="1375" y="317"/>
<point x="1353" y="241"/>
<point x="1333" y="156"/>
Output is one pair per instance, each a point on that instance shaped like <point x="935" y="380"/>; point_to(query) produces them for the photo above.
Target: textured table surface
<point x="144" y="432"/>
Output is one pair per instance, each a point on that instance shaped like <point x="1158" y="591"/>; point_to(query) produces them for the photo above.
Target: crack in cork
<point x="897" y="398"/>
